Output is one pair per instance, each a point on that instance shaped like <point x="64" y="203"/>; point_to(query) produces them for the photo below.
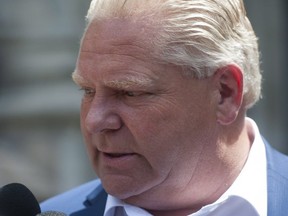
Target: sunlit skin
<point x="152" y="134"/>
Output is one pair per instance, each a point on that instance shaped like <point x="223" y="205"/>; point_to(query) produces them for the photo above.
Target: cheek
<point x="155" y="136"/>
<point x="85" y="133"/>
<point x="171" y="131"/>
<point x="83" y="114"/>
<point x="86" y="126"/>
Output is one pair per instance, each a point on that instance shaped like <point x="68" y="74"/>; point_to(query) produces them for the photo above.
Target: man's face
<point x="148" y="128"/>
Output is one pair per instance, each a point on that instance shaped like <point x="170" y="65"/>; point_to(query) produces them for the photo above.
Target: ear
<point x="229" y="82"/>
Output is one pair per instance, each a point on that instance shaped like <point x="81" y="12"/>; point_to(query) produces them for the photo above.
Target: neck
<point x="233" y="155"/>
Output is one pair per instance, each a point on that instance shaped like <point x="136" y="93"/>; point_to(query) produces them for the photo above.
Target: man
<point x="167" y="84"/>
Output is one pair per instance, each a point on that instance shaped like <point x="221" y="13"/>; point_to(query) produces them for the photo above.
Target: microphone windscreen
<point x="51" y="213"/>
<point x="17" y="200"/>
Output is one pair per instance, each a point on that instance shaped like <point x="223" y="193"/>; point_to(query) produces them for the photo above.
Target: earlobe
<point x="229" y="82"/>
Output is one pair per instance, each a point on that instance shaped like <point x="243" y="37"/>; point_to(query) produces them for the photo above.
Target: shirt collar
<point x="248" y="190"/>
<point x="113" y="202"/>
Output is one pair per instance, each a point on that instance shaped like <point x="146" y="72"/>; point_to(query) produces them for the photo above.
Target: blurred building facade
<point x="40" y="140"/>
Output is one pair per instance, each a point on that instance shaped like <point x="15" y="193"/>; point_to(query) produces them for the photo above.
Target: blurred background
<point x="40" y="141"/>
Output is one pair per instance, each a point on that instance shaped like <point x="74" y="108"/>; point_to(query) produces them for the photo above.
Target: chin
<point x="119" y="192"/>
<point x="121" y="187"/>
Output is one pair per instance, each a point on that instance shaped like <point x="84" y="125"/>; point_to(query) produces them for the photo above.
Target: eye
<point x="130" y="93"/>
<point x="135" y="93"/>
<point x="88" y="92"/>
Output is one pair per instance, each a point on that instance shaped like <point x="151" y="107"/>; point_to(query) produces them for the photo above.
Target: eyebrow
<point x="79" y="80"/>
<point x="128" y="82"/>
<point x="124" y="83"/>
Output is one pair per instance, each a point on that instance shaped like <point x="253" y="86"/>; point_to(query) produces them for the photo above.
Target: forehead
<point x="116" y="32"/>
<point x="115" y="46"/>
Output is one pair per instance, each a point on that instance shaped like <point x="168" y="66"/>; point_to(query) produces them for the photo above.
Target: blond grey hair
<point x="201" y="36"/>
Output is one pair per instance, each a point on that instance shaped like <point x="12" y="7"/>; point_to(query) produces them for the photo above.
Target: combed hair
<point x="201" y="36"/>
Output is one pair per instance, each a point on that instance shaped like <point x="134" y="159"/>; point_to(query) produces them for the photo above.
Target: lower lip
<point x="124" y="161"/>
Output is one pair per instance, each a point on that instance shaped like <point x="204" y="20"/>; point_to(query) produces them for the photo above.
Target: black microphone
<point x="17" y="200"/>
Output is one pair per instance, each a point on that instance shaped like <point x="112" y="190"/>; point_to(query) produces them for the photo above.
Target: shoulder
<point x="277" y="180"/>
<point x="276" y="163"/>
<point x="72" y="200"/>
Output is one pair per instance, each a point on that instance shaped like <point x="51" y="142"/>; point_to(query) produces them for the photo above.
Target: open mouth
<point x="117" y="155"/>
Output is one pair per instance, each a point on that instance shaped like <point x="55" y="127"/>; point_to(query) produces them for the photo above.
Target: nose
<point x="102" y="117"/>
